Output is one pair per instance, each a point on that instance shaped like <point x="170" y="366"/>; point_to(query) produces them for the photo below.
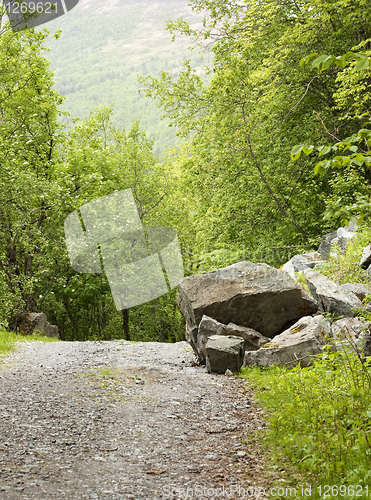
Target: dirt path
<point x="117" y="421"/>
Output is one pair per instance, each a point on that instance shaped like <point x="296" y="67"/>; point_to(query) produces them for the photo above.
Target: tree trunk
<point x="125" y="324"/>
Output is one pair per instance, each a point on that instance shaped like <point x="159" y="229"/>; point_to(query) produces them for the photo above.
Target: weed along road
<point x="119" y="420"/>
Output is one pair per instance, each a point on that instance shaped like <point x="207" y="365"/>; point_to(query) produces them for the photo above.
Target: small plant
<point x="344" y="267"/>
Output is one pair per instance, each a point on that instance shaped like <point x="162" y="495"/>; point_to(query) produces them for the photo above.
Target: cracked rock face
<point x="331" y="297"/>
<point x="304" y="339"/>
<point x="255" y="296"/>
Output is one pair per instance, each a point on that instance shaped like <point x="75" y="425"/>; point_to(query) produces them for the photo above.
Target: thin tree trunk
<point x="125" y="324"/>
<point x="267" y="185"/>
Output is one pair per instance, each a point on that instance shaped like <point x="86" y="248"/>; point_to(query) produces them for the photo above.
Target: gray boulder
<point x="253" y="339"/>
<point x="348" y="327"/>
<point x="301" y="262"/>
<point x="305" y="339"/>
<point x="365" y="261"/>
<point x="361" y="291"/>
<point x="289" y="268"/>
<point x="37" y="321"/>
<point x="255" y="296"/>
<point x="331" y="297"/>
<point x="340" y="237"/>
<point x="352" y="333"/>
<point x="209" y="327"/>
<point x="224" y="353"/>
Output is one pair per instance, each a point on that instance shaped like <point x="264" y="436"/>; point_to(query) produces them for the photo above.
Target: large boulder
<point x="255" y="296"/>
<point x="224" y="353"/>
<point x="30" y="322"/>
<point x="306" y="338"/>
<point x="209" y="327"/>
<point x="302" y="262"/>
<point x="331" y="297"/>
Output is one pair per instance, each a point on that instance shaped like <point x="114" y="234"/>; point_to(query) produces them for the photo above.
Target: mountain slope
<point x="104" y="46"/>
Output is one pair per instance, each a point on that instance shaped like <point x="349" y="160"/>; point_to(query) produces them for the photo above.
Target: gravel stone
<point x="119" y="420"/>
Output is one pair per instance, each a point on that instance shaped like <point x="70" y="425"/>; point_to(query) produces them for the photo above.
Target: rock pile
<point x="270" y="316"/>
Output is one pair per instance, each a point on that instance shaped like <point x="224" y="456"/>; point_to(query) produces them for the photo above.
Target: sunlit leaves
<point x="324" y="61"/>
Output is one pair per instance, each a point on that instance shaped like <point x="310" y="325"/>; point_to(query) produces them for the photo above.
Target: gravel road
<point x="119" y="420"/>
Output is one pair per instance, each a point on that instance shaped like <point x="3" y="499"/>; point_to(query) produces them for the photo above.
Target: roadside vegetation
<point x="320" y="416"/>
<point x="9" y="339"/>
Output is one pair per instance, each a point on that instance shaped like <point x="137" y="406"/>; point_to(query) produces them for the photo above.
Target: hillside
<point x="105" y="45"/>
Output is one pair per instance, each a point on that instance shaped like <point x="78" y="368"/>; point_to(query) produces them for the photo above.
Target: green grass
<point x="320" y="417"/>
<point x="8" y="339"/>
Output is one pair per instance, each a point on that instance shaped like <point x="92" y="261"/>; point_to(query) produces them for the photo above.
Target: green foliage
<point x="349" y="161"/>
<point x="319" y="416"/>
<point x="29" y="132"/>
<point x="258" y="103"/>
<point x="8" y="339"/>
<point x="46" y="173"/>
<point x="345" y="268"/>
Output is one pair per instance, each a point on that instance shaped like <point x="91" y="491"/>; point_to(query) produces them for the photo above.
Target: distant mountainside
<point x="104" y="46"/>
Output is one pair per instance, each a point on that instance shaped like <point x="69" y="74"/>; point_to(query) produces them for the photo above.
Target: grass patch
<point x="8" y="339"/>
<point x="320" y="418"/>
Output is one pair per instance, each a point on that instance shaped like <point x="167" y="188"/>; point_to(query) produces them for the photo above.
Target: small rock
<point x="224" y="352"/>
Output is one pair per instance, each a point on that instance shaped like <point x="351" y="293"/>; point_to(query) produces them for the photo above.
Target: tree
<point x="97" y="159"/>
<point x="29" y="133"/>
<point x="258" y="104"/>
<point x="347" y="159"/>
<point x="46" y="173"/>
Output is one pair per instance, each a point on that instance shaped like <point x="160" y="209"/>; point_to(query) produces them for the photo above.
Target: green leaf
<point x="362" y="64"/>
<point x="323" y="62"/>
<point x="364" y="132"/>
<point x="296" y="152"/>
<point x="324" y="150"/>
<point x="303" y="62"/>
<point x="346" y="160"/>
<point x="343" y="59"/>
<point x="307" y="150"/>
<point x="318" y="169"/>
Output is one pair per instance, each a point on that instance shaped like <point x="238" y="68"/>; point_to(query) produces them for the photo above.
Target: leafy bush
<point x="320" y="416"/>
